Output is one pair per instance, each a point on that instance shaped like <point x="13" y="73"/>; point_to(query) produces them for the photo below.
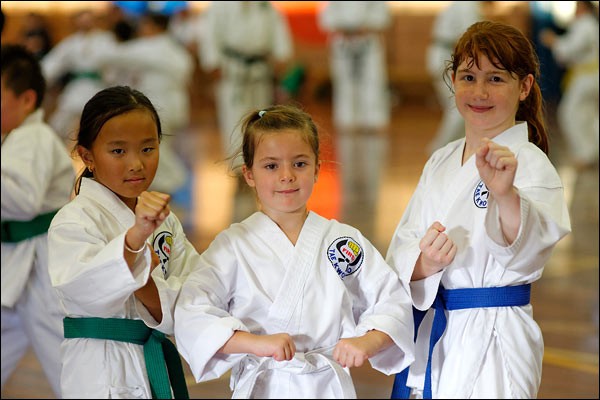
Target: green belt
<point x="94" y="75"/>
<point x="16" y="231"/>
<point x="162" y="358"/>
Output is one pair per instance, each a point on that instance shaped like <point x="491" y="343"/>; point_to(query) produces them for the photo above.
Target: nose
<point x="135" y="163"/>
<point x="481" y="90"/>
<point x="286" y="174"/>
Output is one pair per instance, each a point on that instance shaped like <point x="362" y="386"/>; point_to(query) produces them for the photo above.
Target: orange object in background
<point x="302" y="18"/>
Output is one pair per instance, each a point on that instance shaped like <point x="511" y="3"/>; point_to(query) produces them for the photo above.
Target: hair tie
<point x="261" y="113"/>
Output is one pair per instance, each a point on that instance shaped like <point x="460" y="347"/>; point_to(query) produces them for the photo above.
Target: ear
<point x="317" y="170"/>
<point x="526" y="85"/>
<point x="29" y="98"/>
<point x="86" y="156"/>
<point x="248" y="176"/>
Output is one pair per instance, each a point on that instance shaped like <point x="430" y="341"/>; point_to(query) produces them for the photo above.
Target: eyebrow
<point x="123" y="142"/>
<point x="269" y="158"/>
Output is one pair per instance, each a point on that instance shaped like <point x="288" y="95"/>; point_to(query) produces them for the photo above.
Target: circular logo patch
<point x="345" y="255"/>
<point x="162" y="247"/>
<point x="480" y="195"/>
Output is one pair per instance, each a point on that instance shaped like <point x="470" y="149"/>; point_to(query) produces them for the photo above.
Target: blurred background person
<point x="35" y="35"/>
<point x="577" y="50"/>
<point x="156" y="64"/>
<point x="361" y="98"/>
<point x="73" y="62"/>
<point x="37" y="179"/>
<point x="449" y="24"/>
<point x="245" y="48"/>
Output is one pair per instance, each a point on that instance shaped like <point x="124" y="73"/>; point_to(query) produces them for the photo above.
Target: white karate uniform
<point x="491" y="352"/>
<point x="253" y="279"/>
<point x="448" y="27"/>
<point x="358" y="62"/>
<point x="162" y="69"/>
<point x="578" y="108"/>
<point x="234" y="33"/>
<point x="91" y="276"/>
<point x="75" y="54"/>
<point x="37" y="177"/>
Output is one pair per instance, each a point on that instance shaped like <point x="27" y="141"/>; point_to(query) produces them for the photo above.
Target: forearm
<point x="378" y="341"/>
<point x="509" y="210"/>
<point x="239" y="342"/>
<point x="148" y="295"/>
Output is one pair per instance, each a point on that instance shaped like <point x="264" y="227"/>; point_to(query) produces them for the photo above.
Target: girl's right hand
<point x="280" y="346"/>
<point x="437" y="251"/>
<point x="151" y="210"/>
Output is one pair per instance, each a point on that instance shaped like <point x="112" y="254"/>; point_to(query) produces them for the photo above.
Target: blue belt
<point x="457" y="299"/>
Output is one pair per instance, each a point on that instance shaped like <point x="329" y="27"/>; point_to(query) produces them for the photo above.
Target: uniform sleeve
<point x="404" y="250"/>
<point x="58" y="61"/>
<point x="185" y="259"/>
<point x="578" y="41"/>
<point x="386" y="306"/>
<point x="544" y="219"/>
<point x="91" y="275"/>
<point x="202" y="323"/>
<point x="27" y="167"/>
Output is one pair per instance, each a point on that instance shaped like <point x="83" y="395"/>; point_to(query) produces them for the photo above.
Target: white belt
<point x="246" y="372"/>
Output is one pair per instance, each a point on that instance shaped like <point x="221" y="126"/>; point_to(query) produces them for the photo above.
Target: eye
<point x="469" y="78"/>
<point x="118" y="151"/>
<point x="148" y="149"/>
<point x="300" y="164"/>
<point x="271" y="166"/>
<point x="496" y="79"/>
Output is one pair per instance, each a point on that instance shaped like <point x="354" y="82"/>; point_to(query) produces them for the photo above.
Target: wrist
<point x="134" y="250"/>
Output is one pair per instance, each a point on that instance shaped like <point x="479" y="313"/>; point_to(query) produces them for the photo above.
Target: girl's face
<point x="124" y="156"/>
<point x="488" y="97"/>
<point x="284" y="173"/>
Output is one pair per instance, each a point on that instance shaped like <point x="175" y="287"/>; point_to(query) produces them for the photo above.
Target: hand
<point x="497" y="167"/>
<point x="437" y="251"/>
<point x="151" y="210"/>
<point x="353" y="352"/>
<point x="547" y="37"/>
<point x="280" y="346"/>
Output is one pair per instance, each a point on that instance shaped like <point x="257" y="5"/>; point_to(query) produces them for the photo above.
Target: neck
<point x="290" y="223"/>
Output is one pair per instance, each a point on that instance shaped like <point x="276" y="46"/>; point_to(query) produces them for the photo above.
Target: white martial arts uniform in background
<point x="245" y="41"/>
<point x="499" y="347"/>
<point x="87" y="268"/>
<point x="448" y="26"/>
<point x="578" y="111"/>
<point x="332" y="284"/>
<point x="76" y="55"/>
<point x="361" y="98"/>
<point x="358" y="62"/>
<point x="162" y="69"/>
<point x="37" y="178"/>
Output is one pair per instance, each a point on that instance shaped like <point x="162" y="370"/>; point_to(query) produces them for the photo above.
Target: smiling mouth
<point x="480" y="108"/>
<point x="135" y="180"/>
<point x="288" y="191"/>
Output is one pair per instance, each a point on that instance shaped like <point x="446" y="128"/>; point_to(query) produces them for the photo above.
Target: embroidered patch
<point x="162" y="247"/>
<point x="346" y="256"/>
<point x="480" y="196"/>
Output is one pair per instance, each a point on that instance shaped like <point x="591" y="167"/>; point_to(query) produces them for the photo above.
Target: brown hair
<point x="508" y="49"/>
<point x="272" y="120"/>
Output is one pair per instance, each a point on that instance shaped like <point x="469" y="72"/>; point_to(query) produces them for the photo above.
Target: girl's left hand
<point x="497" y="167"/>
